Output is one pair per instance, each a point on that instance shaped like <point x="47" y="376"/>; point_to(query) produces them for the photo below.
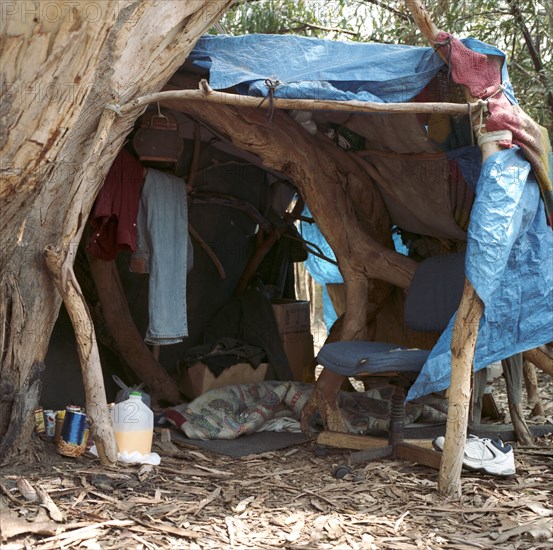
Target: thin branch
<point x="389" y="8"/>
<point x="303" y="26"/>
<point x="534" y="54"/>
<point x="207" y="94"/>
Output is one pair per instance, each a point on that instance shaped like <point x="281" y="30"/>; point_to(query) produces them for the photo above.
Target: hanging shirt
<point x="114" y="215"/>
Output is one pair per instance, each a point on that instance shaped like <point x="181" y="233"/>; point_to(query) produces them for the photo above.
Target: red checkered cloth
<point x="481" y="74"/>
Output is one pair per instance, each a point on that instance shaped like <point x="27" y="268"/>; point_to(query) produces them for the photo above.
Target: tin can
<point x="72" y="439"/>
<point x="60" y="416"/>
<point x="40" y="427"/>
<point x="50" y="422"/>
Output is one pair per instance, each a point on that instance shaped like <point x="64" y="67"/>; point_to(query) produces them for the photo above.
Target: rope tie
<point x="500" y="88"/>
<point x="470" y="121"/>
<point x="446" y="44"/>
<point x="500" y="135"/>
<point x="272" y="85"/>
<point x="478" y="127"/>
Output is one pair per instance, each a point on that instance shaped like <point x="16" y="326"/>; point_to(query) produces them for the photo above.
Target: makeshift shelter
<point x="353" y="195"/>
<point x="427" y="170"/>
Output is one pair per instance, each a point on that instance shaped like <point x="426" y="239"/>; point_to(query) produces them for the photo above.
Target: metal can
<point x="72" y="439"/>
<point x="40" y="427"/>
<point x="60" y="416"/>
<point x="50" y="422"/>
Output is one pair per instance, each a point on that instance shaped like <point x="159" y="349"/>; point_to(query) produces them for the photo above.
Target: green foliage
<point x="523" y="29"/>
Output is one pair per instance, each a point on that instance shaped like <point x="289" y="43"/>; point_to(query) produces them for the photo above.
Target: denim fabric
<point x="163" y="245"/>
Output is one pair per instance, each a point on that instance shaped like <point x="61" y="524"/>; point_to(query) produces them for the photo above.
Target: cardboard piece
<point x="292" y="316"/>
<point x="298" y="347"/>
<point x="198" y="378"/>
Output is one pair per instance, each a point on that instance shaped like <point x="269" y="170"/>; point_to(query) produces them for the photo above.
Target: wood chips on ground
<point x="282" y="499"/>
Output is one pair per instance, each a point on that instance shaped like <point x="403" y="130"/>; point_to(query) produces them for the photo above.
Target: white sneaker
<point x="490" y="456"/>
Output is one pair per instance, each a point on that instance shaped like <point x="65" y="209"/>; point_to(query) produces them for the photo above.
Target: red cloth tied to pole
<point x="481" y="74"/>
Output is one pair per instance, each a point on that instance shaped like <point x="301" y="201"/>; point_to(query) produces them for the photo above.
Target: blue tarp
<point x="510" y="247"/>
<point x="310" y="68"/>
<point x="509" y="262"/>
<point x="322" y="271"/>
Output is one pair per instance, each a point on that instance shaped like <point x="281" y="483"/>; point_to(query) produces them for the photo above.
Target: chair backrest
<point x="435" y="292"/>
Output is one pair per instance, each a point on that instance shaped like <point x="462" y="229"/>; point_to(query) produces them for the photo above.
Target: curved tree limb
<point x="89" y="357"/>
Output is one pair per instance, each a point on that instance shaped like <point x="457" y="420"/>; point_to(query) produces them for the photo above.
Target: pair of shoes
<point x="490" y="456"/>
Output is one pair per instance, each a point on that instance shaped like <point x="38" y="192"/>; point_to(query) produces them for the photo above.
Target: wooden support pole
<point x="465" y="330"/>
<point x="207" y="94"/>
<point x="513" y="374"/>
<point x="532" y="390"/>
<point x="89" y="357"/>
<point x="463" y="343"/>
<point x="540" y="359"/>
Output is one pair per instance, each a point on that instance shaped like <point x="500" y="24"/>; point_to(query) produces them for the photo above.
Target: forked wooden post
<point x="465" y="330"/>
<point x="89" y="357"/>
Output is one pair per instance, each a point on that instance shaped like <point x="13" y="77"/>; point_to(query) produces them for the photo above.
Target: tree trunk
<point x="61" y="68"/>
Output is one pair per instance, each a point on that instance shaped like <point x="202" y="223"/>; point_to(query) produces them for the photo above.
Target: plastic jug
<point x="133" y="424"/>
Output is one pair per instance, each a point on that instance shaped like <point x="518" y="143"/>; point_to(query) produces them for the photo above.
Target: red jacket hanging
<point x="114" y="215"/>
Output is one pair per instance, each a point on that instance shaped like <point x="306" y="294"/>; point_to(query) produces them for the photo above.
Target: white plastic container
<point x="133" y="424"/>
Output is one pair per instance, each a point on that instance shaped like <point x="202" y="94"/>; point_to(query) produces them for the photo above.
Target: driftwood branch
<point x="89" y="357"/>
<point x="128" y="339"/>
<point x="540" y="359"/>
<point x="207" y="94"/>
<point x="207" y="249"/>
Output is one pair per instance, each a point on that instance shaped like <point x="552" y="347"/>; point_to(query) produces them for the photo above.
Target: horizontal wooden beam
<point x="206" y="93"/>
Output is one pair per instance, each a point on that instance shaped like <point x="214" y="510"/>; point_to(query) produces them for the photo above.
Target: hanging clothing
<point x="113" y="219"/>
<point x="162" y="251"/>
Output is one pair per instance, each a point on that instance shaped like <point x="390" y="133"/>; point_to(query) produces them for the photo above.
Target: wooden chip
<point x="26" y="489"/>
<point x="172" y="530"/>
<point x="49" y="504"/>
<point x="203" y="503"/>
<point x="12" y="525"/>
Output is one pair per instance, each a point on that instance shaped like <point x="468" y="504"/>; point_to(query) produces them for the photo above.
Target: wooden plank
<point x="420" y="455"/>
<point x="350" y="441"/>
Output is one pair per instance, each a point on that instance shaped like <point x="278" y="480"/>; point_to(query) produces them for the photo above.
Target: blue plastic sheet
<point x="509" y="262"/>
<point x="322" y="271"/>
<point x="310" y="68"/>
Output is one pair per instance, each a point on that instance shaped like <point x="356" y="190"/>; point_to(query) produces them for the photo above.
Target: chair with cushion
<point x="432" y="299"/>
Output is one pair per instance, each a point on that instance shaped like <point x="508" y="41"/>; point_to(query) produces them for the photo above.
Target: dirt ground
<point x="282" y="499"/>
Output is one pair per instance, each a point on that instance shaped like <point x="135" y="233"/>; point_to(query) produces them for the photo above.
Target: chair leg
<point x="323" y="401"/>
<point x="397" y="411"/>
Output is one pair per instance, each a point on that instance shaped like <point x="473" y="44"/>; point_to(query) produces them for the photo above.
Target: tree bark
<point x="57" y="143"/>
